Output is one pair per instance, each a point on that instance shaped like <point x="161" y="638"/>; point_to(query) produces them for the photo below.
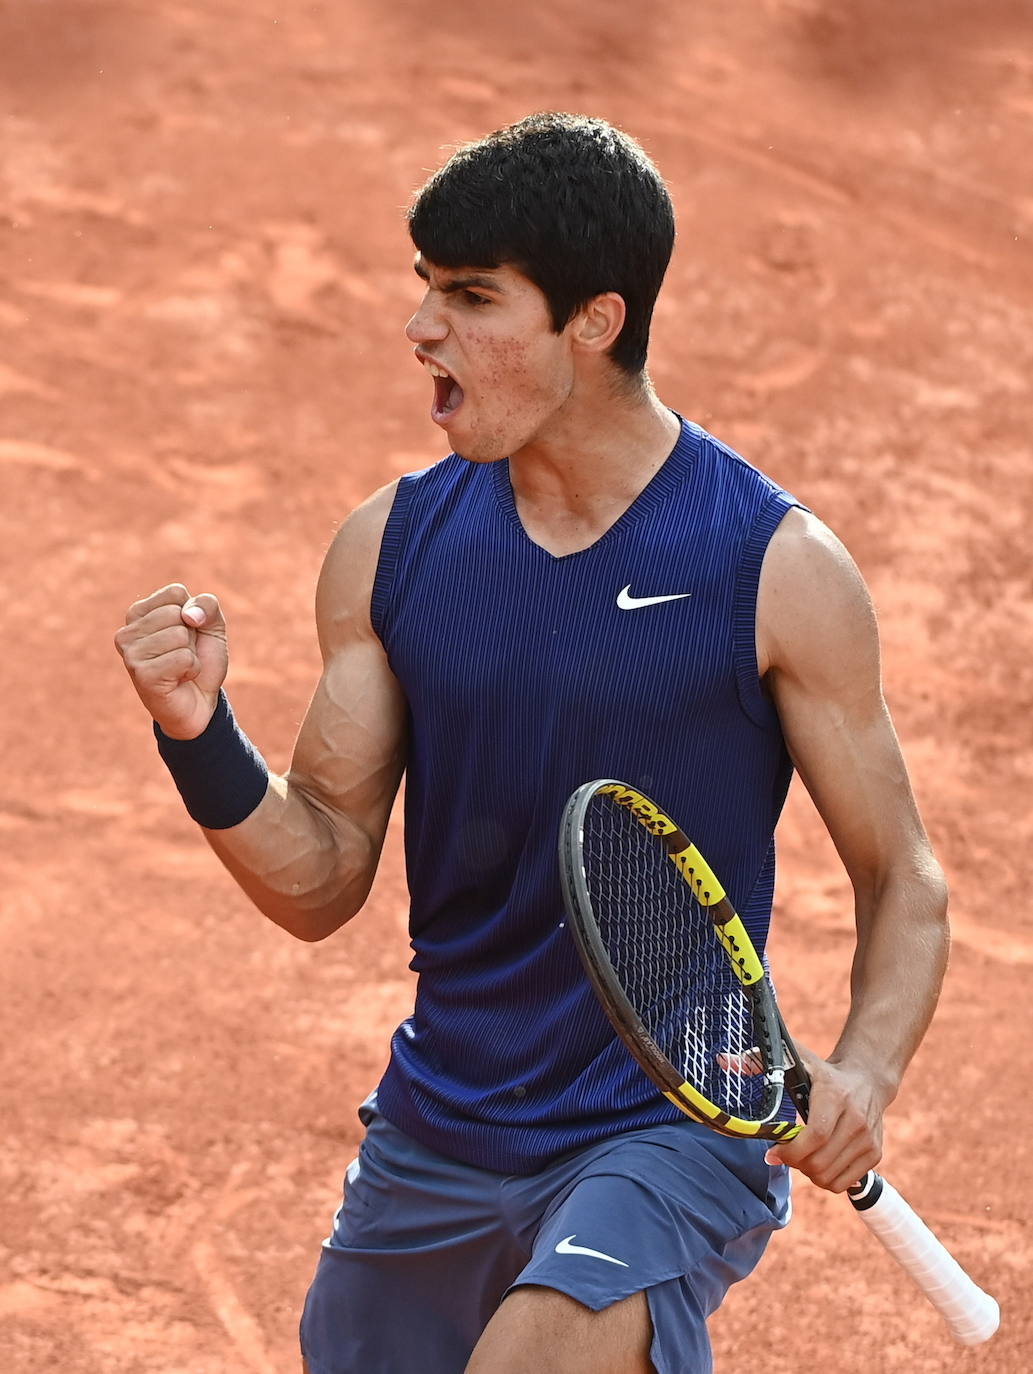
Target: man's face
<point x="500" y="372"/>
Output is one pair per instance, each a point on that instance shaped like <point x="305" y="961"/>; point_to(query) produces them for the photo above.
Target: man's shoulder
<point x="365" y="524"/>
<point x="803" y="540"/>
<point x="350" y="563"/>
<point x="811" y="590"/>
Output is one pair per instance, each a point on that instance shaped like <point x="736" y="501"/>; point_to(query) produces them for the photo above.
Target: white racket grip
<point x="972" y="1315"/>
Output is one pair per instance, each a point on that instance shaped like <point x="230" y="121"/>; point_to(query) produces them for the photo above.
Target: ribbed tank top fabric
<point x="524" y="678"/>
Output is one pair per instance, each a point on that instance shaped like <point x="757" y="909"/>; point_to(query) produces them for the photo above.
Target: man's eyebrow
<point x="464" y="283"/>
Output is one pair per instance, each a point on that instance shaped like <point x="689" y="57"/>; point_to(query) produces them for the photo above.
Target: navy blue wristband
<point x="221" y="776"/>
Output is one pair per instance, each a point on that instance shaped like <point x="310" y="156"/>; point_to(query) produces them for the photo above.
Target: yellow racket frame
<point x="728" y="928"/>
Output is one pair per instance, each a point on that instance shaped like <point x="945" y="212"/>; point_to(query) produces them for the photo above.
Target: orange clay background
<point x="204" y="275"/>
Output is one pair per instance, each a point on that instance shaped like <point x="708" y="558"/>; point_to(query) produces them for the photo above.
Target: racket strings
<point x="661" y="945"/>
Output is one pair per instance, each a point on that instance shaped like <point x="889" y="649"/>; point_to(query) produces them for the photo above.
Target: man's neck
<point x="605" y="454"/>
<point x="573" y="484"/>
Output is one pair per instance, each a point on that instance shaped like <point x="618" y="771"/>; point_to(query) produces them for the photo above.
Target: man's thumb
<point x="202" y="612"/>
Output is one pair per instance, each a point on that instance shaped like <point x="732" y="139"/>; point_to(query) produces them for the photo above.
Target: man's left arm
<point x="818" y="653"/>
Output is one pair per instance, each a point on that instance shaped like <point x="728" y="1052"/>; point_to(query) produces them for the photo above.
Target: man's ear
<point x="598" y="323"/>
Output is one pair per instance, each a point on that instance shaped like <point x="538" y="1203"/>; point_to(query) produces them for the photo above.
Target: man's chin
<point x="488" y="445"/>
<point x="478" y="450"/>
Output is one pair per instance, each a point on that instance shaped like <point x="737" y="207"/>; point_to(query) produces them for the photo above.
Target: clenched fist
<point x="174" y="648"/>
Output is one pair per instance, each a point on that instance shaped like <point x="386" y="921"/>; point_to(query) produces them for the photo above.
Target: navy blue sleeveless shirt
<point x="525" y="676"/>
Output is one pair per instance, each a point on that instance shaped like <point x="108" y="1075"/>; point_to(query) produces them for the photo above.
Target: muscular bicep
<point x="818" y="646"/>
<point x="350" y="752"/>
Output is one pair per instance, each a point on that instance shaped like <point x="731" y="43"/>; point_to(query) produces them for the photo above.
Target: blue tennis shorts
<point x="424" y="1248"/>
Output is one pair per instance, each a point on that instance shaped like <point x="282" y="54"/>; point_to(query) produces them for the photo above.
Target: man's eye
<point x="472" y="298"/>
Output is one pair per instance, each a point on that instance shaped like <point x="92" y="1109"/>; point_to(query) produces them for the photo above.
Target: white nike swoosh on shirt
<point x="565" y="1248"/>
<point x="627" y="602"/>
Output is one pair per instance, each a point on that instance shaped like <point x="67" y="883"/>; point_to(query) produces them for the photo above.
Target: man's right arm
<point x="307" y="854"/>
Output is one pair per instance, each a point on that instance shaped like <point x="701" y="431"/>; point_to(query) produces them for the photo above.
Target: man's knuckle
<point x="132" y="657"/>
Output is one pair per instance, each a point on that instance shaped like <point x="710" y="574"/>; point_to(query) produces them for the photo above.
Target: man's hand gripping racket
<point x="677" y="974"/>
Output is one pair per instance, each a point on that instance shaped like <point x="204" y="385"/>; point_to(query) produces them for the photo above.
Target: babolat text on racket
<point x="677" y="974"/>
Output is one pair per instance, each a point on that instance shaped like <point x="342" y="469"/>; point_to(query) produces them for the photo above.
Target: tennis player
<point x="588" y="585"/>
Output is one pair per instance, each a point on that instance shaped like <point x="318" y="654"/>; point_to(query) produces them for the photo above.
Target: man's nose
<point x="427" y="324"/>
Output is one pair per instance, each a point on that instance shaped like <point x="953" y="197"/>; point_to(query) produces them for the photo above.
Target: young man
<point x="523" y="1199"/>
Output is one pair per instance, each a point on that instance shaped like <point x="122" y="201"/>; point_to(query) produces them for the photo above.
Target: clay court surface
<point x="204" y="276"/>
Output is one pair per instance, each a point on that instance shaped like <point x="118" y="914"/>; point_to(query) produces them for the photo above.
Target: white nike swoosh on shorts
<point x="565" y="1248"/>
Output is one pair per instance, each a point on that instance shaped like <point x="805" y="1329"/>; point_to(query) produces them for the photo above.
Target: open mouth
<point x="448" y="394"/>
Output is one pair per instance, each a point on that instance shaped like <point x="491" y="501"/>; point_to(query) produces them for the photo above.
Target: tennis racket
<point x="676" y="972"/>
